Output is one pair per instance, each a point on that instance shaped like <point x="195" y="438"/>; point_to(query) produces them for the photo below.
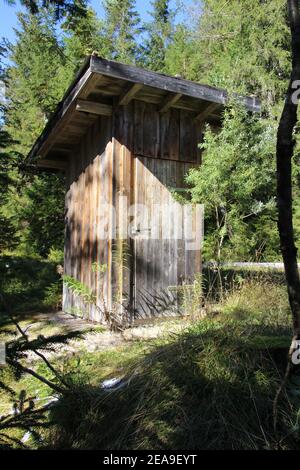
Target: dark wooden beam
<point x="164" y="82"/>
<point x="52" y="164"/>
<point x="205" y="113"/>
<point x="63" y="148"/>
<point x="169" y="101"/>
<point x="129" y="93"/>
<point x="93" y="107"/>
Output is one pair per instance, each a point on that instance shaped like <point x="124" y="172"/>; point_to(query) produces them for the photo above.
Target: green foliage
<point x="80" y="289"/>
<point x="56" y="256"/>
<point x="191" y="298"/>
<point x="44" y="213"/>
<point x="24" y="283"/>
<point x="242" y="46"/>
<point x="32" y="91"/>
<point x="180" y="56"/>
<point x="122" y="27"/>
<point x="53" y="296"/>
<point x="83" y="35"/>
<point x="214" y="368"/>
<point x="211" y="386"/>
<point x="33" y="88"/>
<point x="259" y="299"/>
<point x="245" y="46"/>
<point x="158" y="32"/>
<point x="236" y="182"/>
<point x="8" y="161"/>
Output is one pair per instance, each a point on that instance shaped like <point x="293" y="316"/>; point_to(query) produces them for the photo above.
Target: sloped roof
<point x="102" y="83"/>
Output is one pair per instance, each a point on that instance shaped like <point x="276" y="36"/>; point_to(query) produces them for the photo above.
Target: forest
<point x="222" y="47"/>
<point x="228" y="354"/>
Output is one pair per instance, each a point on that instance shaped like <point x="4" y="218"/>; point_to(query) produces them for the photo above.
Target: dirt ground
<point x="94" y="337"/>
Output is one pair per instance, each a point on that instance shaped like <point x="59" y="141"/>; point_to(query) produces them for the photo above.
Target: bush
<point x="53" y="296"/>
<point x="26" y="283"/>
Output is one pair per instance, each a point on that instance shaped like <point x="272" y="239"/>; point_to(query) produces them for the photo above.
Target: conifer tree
<point x="180" y="57"/>
<point x="33" y="88"/>
<point x="83" y="35"/>
<point x="243" y="46"/>
<point x="159" y="32"/>
<point x="122" y="30"/>
<point x="61" y="8"/>
<point x="32" y="92"/>
<point x="8" y="237"/>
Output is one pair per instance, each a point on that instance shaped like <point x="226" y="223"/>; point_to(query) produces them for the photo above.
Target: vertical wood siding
<point x="139" y="154"/>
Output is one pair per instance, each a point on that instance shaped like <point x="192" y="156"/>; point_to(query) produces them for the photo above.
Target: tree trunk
<point x="284" y="154"/>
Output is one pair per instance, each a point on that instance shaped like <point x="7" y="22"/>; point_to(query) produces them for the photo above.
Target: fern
<point x="79" y="288"/>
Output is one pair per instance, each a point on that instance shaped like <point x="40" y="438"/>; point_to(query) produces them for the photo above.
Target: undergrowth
<point x="209" y="387"/>
<point x="29" y="285"/>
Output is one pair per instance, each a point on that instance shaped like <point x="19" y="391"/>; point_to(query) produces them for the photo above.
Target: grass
<point x="211" y="386"/>
<point x="204" y="389"/>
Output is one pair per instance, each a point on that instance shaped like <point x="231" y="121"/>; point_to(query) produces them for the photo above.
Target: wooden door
<point x="162" y="259"/>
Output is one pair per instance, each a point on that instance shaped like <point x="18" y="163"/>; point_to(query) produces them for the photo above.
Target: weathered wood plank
<point x="91" y="83"/>
<point x="169" y="135"/>
<point x="55" y="164"/>
<point x="150" y="131"/>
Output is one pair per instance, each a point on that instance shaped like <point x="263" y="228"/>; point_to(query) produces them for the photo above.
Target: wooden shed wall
<point x="89" y="188"/>
<point x="101" y="169"/>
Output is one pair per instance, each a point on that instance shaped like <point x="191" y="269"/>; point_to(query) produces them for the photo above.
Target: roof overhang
<point x="102" y="83"/>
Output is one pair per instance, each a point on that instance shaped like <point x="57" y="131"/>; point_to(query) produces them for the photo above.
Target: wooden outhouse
<point x="126" y="137"/>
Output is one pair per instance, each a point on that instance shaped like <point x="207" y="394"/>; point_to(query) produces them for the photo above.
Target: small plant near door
<point x="80" y="289"/>
<point x="121" y="256"/>
<point x="115" y="316"/>
<point x="53" y="296"/>
<point x="191" y="298"/>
